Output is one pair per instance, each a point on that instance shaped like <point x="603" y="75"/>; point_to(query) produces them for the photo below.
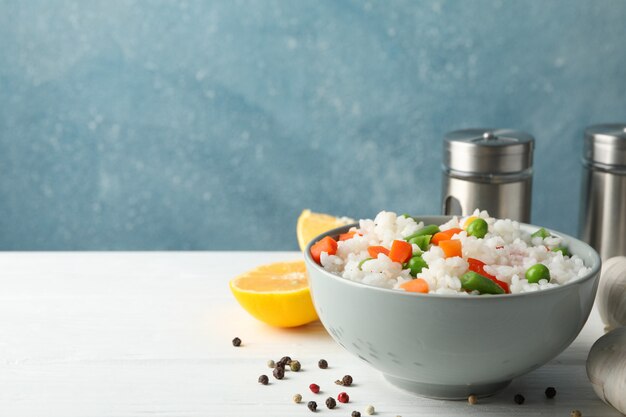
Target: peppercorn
<point x="284" y="361"/>
<point x="236" y="342"/>
<point x="369" y="410"/>
<point x="263" y="379"/>
<point x="297" y="398"/>
<point x="472" y="399"/>
<point x="576" y="413"/>
<point x="550" y="392"/>
<point x="346" y="380"/>
<point x="356" y="414"/>
<point x="279" y="372"/>
<point x="295" y="366"/>
<point x="331" y="403"/>
<point x="343" y="397"/>
<point x="519" y="399"/>
<point x="314" y="388"/>
<point x="312" y="406"/>
<point x="271" y="364"/>
<point x="322" y="364"/>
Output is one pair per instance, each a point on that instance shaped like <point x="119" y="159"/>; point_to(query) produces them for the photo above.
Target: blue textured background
<point x="211" y="125"/>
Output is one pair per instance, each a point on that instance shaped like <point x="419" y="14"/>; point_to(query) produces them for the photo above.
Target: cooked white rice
<point x="506" y="250"/>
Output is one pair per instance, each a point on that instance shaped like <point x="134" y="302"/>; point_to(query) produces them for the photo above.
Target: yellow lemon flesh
<point x="312" y="224"/>
<point x="277" y="294"/>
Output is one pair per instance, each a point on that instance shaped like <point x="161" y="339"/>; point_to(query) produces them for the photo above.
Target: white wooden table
<point x="149" y="334"/>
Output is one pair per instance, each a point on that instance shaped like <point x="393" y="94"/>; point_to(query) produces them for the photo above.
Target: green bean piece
<point x="421" y="241"/>
<point x="563" y="250"/>
<point x="472" y="281"/>
<point x="362" y="262"/>
<point x="431" y="229"/>
<point x="478" y="228"/>
<point x="416" y="264"/>
<point x="542" y="233"/>
<point x="537" y="272"/>
<point x="405" y="215"/>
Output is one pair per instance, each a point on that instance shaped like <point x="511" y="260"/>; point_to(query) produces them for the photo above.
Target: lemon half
<point x="277" y="294"/>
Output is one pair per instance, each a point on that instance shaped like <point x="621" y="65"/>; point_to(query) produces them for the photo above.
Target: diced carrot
<point x="401" y="251"/>
<point x="451" y="248"/>
<point x="415" y="285"/>
<point x="348" y="235"/>
<point x="375" y="250"/>
<point x="328" y="245"/>
<point x="454" y="231"/>
<point x="445" y="235"/>
<point x="469" y="221"/>
<point x="438" y="237"/>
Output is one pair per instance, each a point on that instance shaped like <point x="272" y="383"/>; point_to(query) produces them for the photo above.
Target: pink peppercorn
<point x="343" y="397"/>
<point x="314" y="388"/>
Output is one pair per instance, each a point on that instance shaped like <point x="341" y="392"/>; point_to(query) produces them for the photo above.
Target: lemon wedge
<point x="312" y="224"/>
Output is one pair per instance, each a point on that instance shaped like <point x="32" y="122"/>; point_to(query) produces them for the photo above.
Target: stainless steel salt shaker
<point x="603" y="198"/>
<point x="488" y="169"/>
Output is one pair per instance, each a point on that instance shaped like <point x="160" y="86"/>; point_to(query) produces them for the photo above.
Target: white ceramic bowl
<point x="445" y="346"/>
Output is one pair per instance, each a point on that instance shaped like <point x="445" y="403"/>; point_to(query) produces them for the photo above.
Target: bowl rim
<point x="595" y="267"/>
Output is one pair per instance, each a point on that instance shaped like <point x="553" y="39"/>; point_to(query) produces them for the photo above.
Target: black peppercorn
<point x="236" y="342"/>
<point x="279" y="372"/>
<point x="284" y="361"/>
<point x="322" y="364"/>
<point x="355" y="414"/>
<point x="519" y="399"/>
<point x="346" y="380"/>
<point x="263" y="379"/>
<point x="312" y="406"/>
<point x="331" y="403"/>
<point x="550" y="392"/>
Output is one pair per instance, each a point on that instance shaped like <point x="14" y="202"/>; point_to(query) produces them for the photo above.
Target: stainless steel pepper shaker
<point x="488" y="169"/>
<point x="603" y="198"/>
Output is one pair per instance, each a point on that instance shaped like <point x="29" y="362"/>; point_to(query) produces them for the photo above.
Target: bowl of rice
<point x="447" y="307"/>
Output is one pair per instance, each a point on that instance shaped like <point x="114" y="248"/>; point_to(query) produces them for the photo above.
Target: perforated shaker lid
<point x="606" y="145"/>
<point x="488" y="151"/>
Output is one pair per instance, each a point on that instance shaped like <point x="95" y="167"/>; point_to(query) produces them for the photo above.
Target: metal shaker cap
<point x="488" y="151"/>
<point x="605" y="145"/>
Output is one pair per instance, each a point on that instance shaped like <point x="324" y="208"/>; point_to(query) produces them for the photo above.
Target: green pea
<point x="421" y="241"/>
<point x="472" y="281"/>
<point x="542" y="233"/>
<point x="416" y="264"/>
<point x="563" y="250"/>
<point x="431" y="229"/>
<point x="478" y="228"/>
<point x="537" y="272"/>
<point x="363" y="261"/>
